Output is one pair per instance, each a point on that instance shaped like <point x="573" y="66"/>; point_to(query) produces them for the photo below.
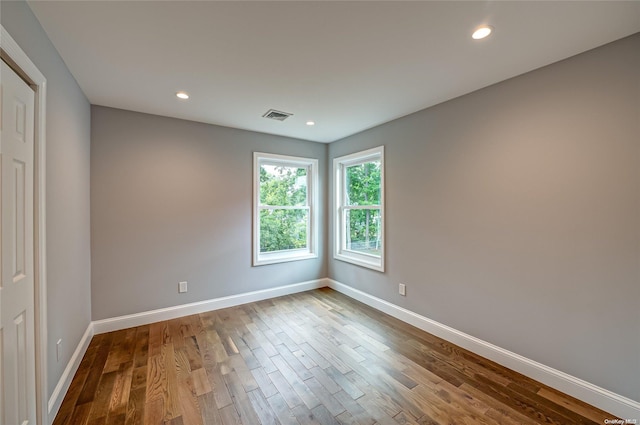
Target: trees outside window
<point x="284" y="208"/>
<point x="359" y="208"/>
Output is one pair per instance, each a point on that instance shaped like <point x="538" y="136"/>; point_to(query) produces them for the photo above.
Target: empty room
<point x="319" y="212"/>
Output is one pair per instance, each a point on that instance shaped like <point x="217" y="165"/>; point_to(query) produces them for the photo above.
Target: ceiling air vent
<point x="276" y="115"/>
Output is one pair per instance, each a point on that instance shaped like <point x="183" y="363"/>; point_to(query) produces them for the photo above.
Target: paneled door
<point x="17" y="344"/>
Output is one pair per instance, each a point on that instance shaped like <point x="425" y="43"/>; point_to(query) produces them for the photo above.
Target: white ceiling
<point x="348" y="66"/>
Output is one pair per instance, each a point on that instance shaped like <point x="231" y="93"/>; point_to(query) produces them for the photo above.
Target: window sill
<point x="282" y="257"/>
<point x="368" y="261"/>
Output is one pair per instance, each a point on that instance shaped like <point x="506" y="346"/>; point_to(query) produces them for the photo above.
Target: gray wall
<point x="171" y="200"/>
<point x="67" y="209"/>
<point x="513" y="214"/>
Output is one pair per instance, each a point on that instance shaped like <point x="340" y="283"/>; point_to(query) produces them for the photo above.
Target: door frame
<point x="20" y="62"/>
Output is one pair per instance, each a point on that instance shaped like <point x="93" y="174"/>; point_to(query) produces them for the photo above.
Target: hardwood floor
<point x="316" y="357"/>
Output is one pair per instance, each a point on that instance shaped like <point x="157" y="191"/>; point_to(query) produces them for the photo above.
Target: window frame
<point x="340" y="252"/>
<point x="311" y="251"/>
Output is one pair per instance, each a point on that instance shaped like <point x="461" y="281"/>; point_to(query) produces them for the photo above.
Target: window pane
<point x="283" y="229"/>
<point x="363" y="231"/>
<point x="283" y="186"/>
<point x="363" y="183"/>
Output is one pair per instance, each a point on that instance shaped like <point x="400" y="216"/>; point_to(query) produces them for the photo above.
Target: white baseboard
<point x="55" y="401"/>
<point x="604" y="399"/>
<point x="152" y="316"/>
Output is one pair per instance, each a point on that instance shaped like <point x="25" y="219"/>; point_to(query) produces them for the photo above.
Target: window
<point x="359" y="208"/>
<point x="284" y="216"/>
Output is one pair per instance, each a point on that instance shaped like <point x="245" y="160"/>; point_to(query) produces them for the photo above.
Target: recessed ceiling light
<point x="311" y="123"/>
<point x="482" y="32"/>
<point x="182" y="95"/>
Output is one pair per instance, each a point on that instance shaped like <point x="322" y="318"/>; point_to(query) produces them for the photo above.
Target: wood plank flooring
<point x="316" y="357"/>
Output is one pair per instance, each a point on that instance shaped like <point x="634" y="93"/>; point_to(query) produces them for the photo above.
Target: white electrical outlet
<point x="182" y="287"/>
<point x="58" y="349"/>
<point x="402" y="289"/>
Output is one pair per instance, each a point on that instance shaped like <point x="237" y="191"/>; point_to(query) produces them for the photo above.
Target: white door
<point x="17" y="344"/>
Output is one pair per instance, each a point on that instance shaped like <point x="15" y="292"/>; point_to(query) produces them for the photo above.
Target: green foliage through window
<point x="363" y="184"/>
<point x="283" y="186"/>
<point x="363" y="228"/>
<point x="359" y="209"/>
<point x="283" y="228"/>
<point x="363" y="189"/>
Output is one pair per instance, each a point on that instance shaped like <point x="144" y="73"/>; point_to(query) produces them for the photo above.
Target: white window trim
<point x="340" y="252"/>
<point x="311" y="251"/>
